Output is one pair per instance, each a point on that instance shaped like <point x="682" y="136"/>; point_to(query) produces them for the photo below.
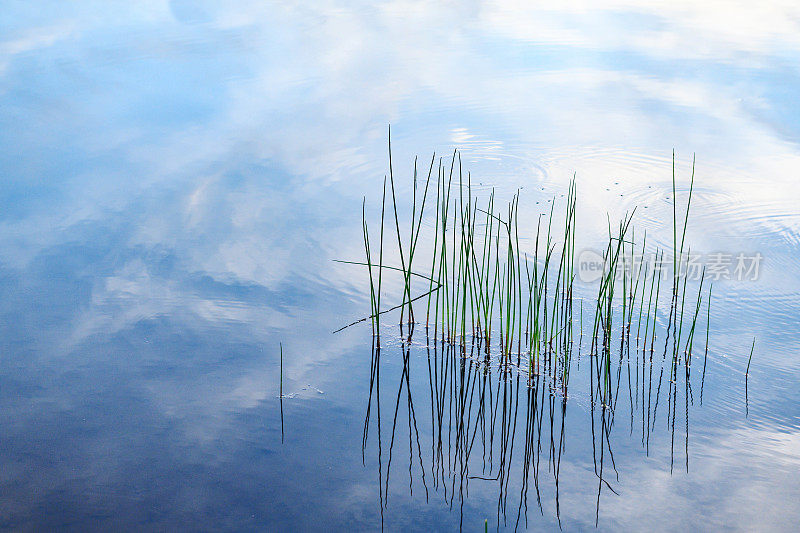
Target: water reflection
<point x="178" y="177"/>
<point x="483" y="410"/>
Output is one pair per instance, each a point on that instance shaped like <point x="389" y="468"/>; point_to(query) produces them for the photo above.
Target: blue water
<point x="179" y="177"/>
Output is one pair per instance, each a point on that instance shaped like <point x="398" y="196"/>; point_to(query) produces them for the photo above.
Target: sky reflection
<point x="179" y="176"/>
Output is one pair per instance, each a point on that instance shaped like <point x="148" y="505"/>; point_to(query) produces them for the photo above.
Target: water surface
<point x="178" y="178"/>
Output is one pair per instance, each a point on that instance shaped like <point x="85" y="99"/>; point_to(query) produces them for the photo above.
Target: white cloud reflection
<point x="604" y="92"/>
<point x="237" y="142"/>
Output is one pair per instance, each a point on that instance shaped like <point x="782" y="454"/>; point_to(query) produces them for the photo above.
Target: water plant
<point x="280" y="390"/>
<point x="750" y="357"/>
<point x="500" y="297"/>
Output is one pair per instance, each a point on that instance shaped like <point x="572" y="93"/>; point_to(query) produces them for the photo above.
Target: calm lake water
<point x="178" y="178"/>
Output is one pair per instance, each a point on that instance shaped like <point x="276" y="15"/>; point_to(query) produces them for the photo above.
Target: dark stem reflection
<point x="490" y="421"/>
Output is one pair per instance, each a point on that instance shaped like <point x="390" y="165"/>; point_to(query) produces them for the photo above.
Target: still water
<point x="178" y="178"/>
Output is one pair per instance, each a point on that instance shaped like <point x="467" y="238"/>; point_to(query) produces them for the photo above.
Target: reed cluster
<point x="484" y="283"/>
<point x="480" y="286"/>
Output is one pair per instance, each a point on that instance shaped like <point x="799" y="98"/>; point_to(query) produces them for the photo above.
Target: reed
<point x="491" y="285"/>
<point x="482" y="275"/>
<point x="705" y="356"/>
<point x="747" y="380"/>
<point x="373" y="300"/>
<point x="380" y="269"/>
